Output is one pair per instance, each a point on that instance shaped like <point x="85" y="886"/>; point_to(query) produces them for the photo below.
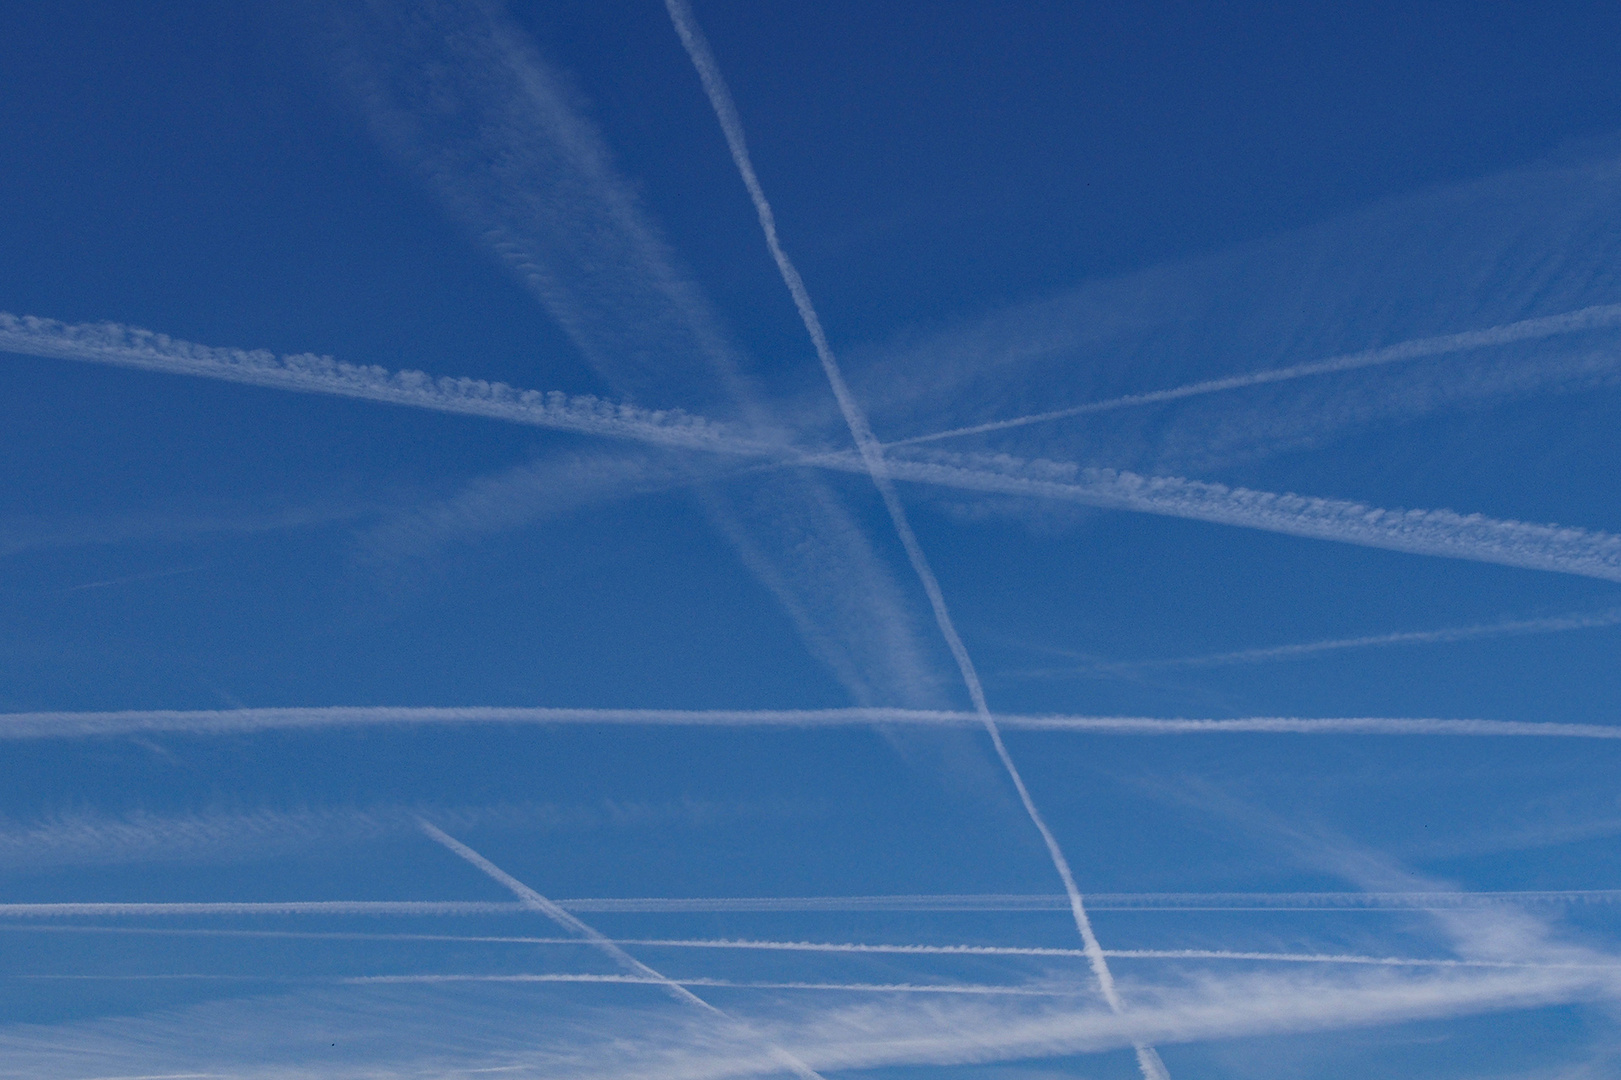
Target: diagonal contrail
<point x="1442" y="533"/>
<point x="534" y="901"/>
<point x="872" y="457"/>
<point x="1570" y="322"/>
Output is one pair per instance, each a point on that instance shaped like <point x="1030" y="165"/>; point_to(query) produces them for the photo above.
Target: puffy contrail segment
<point x="534" y="901"/>
<point x="1443" y="533"/>
<point x="1589" y="318"/>
<point x="64" y="725"/>
<point x="124" y="346"/>
<point x="872" y="457"/>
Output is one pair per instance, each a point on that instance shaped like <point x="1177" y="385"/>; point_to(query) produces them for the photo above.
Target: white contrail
<point x="1443" y="533"/>
<point x="989" y="902"/>
<point x="1588" y="318"/>
<point x="1423" y="532"/>
<point x="274" y="907"/>
<point x="112" y="343"/>
<point x="752" y="945"/>
<point x="1506" y="628"/>
<point x="872" y="457"/>
<point x="977" y="989"/>
<point x="59" y="725"/>
<point x="534" y="901"/>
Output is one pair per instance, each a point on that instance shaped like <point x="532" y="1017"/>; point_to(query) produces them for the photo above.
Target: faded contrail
<point x="284" y="907"/>
<point x="1442" y="533"/>
<point x="872" y="457"/>
<point x="60" y="725"/>
<point x="1506" y="628"/>
<point x="112" y="343"/>
<point x="1589" y="318"/>
<point x="747" y="945"/>
<point x="534" y="901"/>
<point x="1228" y="901"/>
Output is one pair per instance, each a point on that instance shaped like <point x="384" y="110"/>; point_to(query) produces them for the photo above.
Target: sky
<point x="713" y="540"/>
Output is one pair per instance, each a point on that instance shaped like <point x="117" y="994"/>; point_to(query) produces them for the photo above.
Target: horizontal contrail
<point x="49" y="725"/>
<point x="1443" y="533"/>
<point x="125" y="346"/>
<point x="999" y="902"/>
<point x="639" y="980"/>
<point x="272" y="907"/>
<point x="747" y="945"/>
<point x="1589" y="318"/>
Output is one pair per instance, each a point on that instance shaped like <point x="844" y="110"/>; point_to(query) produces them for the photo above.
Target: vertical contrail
<point x="872" y="456"/>
<point x="536" y="902"/>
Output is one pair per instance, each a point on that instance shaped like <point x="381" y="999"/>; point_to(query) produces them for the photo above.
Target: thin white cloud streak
<point x="1442" y="533"/>
<point x="1416" y="900"/>
<point x="182" y="524"/>
<point x="975" y="989"/>
<point x="216" y="838"/>
<point x="1589" y="318"/>
<point x="56" y="725"/>
<point x="269" y="907"/>
<point x="872" y="456"/>
<point x="534" y="901"/>
<point x="1506" y="628"/>
<point x="854" y="948"/>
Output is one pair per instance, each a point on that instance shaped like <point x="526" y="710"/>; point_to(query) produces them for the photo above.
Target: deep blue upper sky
<point x="998" y="210"/>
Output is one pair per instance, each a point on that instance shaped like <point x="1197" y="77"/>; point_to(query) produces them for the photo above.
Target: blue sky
<point x="680" y="719"/>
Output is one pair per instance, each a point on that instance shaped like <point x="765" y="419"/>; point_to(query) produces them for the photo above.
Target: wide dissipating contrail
<point x="872" y="457"/>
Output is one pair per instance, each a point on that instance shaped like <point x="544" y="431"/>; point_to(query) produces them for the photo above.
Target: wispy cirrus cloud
<point x="459" y="92"/>
<point x="1480" y="292"/>
<point x="477" y="1026"/>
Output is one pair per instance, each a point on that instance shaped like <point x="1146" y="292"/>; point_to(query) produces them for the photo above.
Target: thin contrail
<point x="1443" y="533"/>
<point x="271" y="907"/>
<point x="534" y="901"/>
<point x="1506" y="628"/>
<point x="983" y="902"/>
<point x="639" y="980"/>
<point x="872" y="456"/>
<point x="62" y="725"/>
<point x="754" y="945"/>
<point x="1589" y="318"/>
<point x="835" y="947"/>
